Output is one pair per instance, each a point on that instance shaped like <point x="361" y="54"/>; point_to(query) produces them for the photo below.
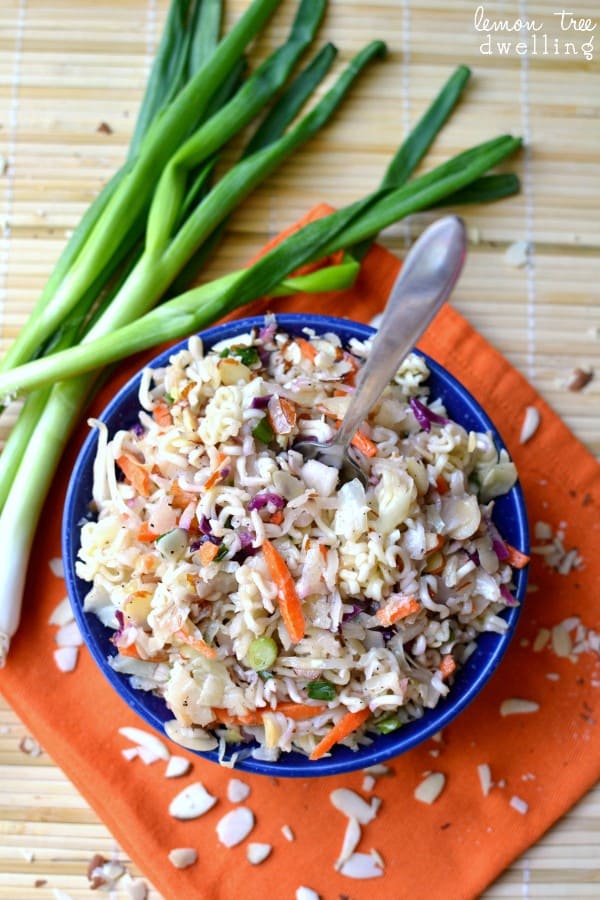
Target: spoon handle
<point x="429" y="273"/>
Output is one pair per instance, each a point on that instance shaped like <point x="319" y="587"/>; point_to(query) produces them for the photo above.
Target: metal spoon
<point x="429" y="273"/>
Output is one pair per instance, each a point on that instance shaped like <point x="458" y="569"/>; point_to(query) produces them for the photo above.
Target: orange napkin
<point x="452" y="848"/>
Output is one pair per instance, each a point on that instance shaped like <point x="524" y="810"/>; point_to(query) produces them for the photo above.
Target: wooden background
<point x="66" y="66"/>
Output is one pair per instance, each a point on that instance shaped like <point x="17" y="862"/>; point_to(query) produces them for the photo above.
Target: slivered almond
<point x="485" y="778"/>
<point x="519" y="804"/>
<point x="540" y="640"/>
<point x="430" y="788"/>
<point x="192" y="802"/>
<point x="516" y="706"/>
<point x="561" y="641"/>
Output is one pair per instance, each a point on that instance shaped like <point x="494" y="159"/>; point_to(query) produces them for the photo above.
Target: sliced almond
<point x="130" y="753"/>
<point x="62" y="613"/>
<point x="183" y="857"/>
<point x="362" y="866"/>
<point x="351" y="840"/>
<point x="57" y="567"/>
<point x="237" y="791"/>
<point x="561" y="641"/>
<point x="516" y="706"/>
<point x="235" y="826"/>
<point x="66" y="658"/>
<point x="137" y="889"/>
<point x="368" y="783"/>
<point x="191" y="738"/>
<point x="257" y="853"/>
<point x="68" y="635"/>
<point x="192" y="802"/>
<point x="352" y="805"/>
<point x="177" y="766"/>
<point x="306" y="893"/>
<point x="530" y="424"/>
<point x="430" y="788"/>
<point x="288" y="833"/>
<point x="540" y="640"/>
<point x="147" y="740"/>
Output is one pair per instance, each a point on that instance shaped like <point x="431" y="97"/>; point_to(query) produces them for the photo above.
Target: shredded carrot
<point x="208" y="551"/>
<point x="398" y="608"/>
<point x="364" y="444"/>
<point x="133" y="652"/>
<point x="180" y="498"/>
<point x="308" y="350"/>
<point x="162" y="414"/>
<point x="289" y="602"/>
<point x="148" y="563"/>
<point x="197" y="643"/>
<point x="515" y="558"/>
<point x="442" y="485"/>
<point x="350" y="376"/>
<point x="295" y="711"/>
<point x="218" y="473"/>
<point x="146" y="533"/>
<point x="276" y="518"/>
<point x="447" y="666"/>
<point x="135" y="473"/>
<point x="299" y="711"/>
<point x="346" y="725"/>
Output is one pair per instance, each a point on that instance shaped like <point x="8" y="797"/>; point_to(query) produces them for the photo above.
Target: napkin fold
<point x="540" y="762"/>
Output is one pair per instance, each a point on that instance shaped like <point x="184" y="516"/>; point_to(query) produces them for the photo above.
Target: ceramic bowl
<point x="509" y="517"/>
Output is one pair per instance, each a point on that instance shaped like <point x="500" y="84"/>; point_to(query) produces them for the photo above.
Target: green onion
<point x="263" y="431"/>
<point x="95" y="307"/>
<point x="248" y="355"/>
<point x="262" y="653"/>
<point x="387" y="725"/>
<point x="321" y="690"/>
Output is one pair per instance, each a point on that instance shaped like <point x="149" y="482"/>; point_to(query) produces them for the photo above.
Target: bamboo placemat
<point x="71" y="76"/>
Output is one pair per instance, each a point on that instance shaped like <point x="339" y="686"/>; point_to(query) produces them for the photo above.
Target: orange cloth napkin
<point x="453" y="848"/>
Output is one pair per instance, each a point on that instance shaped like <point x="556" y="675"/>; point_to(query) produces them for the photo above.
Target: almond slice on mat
<point x="430" y="788"/>
<point x="352" y="805"/>
<point x="192" y="802"/>
<point x="235" y="826"/>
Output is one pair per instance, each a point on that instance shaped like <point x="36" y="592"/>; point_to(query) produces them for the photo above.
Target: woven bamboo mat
<point x="71" y="76"/>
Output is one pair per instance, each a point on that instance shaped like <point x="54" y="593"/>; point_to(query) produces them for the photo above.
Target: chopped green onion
<point x="263" y="431"/>
<point x="248" y="355"/>
<point x="321" y="690"/>
<point x="387" y="725"/>
<point x="262" y="653"/>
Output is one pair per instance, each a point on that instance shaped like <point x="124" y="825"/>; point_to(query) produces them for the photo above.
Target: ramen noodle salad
<point x="268" y="603"/>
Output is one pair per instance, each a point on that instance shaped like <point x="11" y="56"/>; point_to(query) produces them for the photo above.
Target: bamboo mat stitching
<point x="528" y="197"/>
<point x="11" y="144"/>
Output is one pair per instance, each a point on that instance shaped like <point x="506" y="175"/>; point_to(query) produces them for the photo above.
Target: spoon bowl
<point x="430" y="271"/>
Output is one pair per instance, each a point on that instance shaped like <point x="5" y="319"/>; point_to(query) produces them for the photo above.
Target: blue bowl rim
<point x="342" y="759"/>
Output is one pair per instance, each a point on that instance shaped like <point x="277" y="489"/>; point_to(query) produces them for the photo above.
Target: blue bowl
<point x="509" y="516"/>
